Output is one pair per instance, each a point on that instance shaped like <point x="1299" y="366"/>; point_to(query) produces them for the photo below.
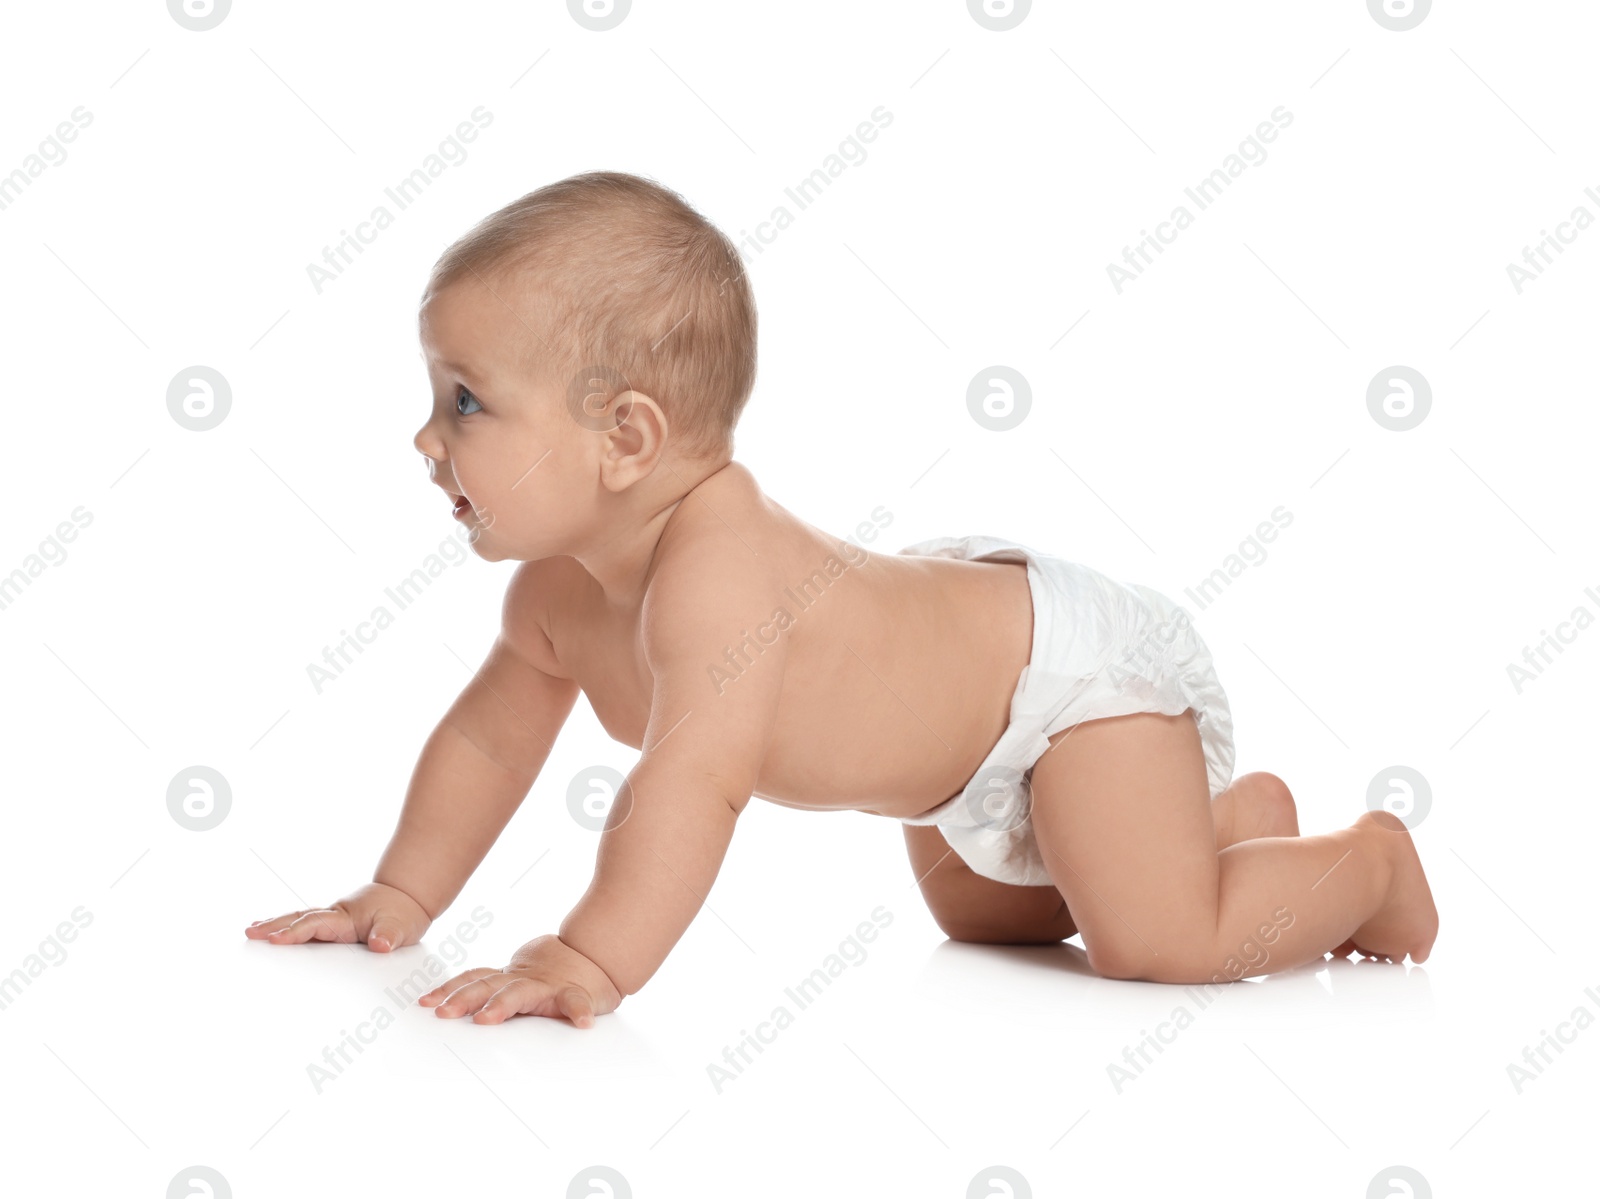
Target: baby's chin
<point x="496" y="545"/>
<point x="488" y="548"/>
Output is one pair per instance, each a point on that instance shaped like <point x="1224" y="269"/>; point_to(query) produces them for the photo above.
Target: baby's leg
<point x="969" y="907"/>
<point x="1254" y="805"/>
<point x="1123" y="817"/>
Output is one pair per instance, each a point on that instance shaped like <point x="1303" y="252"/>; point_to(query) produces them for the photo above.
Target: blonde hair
<point x="629" y="287"/>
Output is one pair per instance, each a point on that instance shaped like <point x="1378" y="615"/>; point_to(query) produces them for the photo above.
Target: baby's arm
<point x="477" y="767"/>
<point x="474" y="770"/>
<point x="674" y="816"/>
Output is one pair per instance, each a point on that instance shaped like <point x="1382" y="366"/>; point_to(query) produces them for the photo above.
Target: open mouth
<point x="461" y="505"/>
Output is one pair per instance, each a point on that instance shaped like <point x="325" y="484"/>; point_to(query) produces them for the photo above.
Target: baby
<point x="1055" y="743"/>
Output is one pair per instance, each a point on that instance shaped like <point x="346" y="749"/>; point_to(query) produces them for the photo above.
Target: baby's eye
<point x="463" y="393"/>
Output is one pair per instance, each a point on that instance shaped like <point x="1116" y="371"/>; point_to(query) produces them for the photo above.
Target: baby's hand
<point x="546" y="977"/>
<point x="384" y="917"/>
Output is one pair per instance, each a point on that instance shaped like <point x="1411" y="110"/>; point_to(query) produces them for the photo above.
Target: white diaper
<point x="1100" y="648"/>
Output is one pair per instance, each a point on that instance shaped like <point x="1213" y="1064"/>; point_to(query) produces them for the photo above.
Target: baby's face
<point x="499" y="439"/>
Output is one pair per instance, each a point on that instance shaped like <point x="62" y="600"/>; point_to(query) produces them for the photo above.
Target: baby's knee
<point x="1274" y="804"/>
<point x="1114" y="955"/>
<point x="1115" y="961"/>
<point x="1137" y="963"/>
<point x="1187" y="954"/>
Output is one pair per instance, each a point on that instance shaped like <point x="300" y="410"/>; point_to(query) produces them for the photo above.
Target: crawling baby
<point x="1056" y="744"/>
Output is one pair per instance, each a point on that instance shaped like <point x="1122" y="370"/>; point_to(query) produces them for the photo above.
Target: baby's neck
<point x="623" y="561"/>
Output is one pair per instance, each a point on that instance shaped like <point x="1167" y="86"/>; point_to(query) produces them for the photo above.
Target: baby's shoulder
<point x="720" y="563"/>
<point x="708" y="566"/>
<point x="536" y="589"/>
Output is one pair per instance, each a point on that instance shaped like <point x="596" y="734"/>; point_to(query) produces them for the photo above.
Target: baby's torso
<point x="899" y="672"/>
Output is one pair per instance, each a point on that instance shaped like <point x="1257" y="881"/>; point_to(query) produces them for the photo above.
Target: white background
<point x="1229" y="379"/>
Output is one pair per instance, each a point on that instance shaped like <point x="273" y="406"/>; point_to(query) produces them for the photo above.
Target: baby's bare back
<point x="898" y="671"/>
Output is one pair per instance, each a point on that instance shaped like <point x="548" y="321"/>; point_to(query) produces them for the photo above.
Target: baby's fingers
<point x="458" y="993"/>
<point x="577" y="1006"/>
<point x="387" y="933"/>
<point x="259" y="930"/>
<point x="321" y="924"/>
<point x="533" y="995"/>
<point x="537" y="997"/>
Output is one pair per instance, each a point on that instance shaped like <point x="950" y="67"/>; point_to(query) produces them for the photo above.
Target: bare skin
<point x="1123" y="815"/>
<point x="746" y="653"/>
<point x="969" y="907"/>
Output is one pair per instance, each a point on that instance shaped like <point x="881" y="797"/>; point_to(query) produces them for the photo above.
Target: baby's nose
<point x="427" y="444"/>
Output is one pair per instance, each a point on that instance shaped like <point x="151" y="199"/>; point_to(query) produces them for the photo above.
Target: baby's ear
<point x="636" y="443"/>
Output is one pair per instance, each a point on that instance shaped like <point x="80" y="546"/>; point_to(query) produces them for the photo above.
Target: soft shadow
<point x="1389" y="986"/>
<point x="1060" y="957"/>
<point x="1341" y="985"/>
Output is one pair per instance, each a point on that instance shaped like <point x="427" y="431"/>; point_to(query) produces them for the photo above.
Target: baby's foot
<point x="1407" y="922"/>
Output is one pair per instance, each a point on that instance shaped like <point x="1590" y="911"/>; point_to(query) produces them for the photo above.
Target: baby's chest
<point x="610" y="669"/>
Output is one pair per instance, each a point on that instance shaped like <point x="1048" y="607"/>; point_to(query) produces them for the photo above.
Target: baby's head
<point x="590" y="348"/>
